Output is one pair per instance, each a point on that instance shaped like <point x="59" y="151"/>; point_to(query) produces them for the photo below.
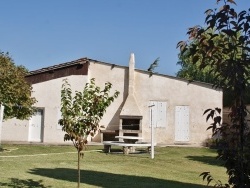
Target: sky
<point x="42" y="33"/>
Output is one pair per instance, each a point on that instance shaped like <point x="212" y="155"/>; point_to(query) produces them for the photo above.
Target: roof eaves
<point x="176" y="78"/>
<point x="59" y="66"/>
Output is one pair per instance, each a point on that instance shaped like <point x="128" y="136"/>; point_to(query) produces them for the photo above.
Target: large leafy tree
<point x="193" y="70"/>
<point x="228" y="59"/>
<point x="15" y="92"/>
<point x="82" y="112"/>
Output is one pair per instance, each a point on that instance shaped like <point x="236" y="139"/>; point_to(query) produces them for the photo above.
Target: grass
<point x="55" y="166"/>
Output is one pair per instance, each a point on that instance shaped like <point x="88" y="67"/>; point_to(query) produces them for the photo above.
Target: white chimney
<point x="130" y="107"/>
<point x="131" y="74"/>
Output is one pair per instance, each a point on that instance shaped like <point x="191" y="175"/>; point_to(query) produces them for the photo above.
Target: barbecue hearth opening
<point x="130" y="126"/>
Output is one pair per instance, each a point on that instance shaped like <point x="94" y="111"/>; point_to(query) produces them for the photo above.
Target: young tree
<point x="229" y="60"/>
<point x="15" y="92"/>
<point x="82" y="112"/>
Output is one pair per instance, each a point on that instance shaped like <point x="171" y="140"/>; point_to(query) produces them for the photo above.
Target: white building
<point x="177" y="111"/>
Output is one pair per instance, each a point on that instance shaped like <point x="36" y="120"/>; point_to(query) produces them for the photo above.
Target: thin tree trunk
<point x="241" y="157"/>
<point x="79" y="172"/>
<point x="1" y="123"/>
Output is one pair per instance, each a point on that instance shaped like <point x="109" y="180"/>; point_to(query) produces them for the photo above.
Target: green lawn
<point x="55" y="166"/>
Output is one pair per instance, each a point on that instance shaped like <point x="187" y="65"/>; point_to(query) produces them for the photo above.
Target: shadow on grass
<point x="206" y="160"/>
<point x="120" y="151"/>
<point x="29" y="183"/>
<point x="106" y="180"/>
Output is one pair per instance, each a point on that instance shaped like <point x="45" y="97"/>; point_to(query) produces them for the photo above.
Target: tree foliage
<point x="15" y="92"/>
<point x="82" y="113"/>
<point x="192" y="68"/>
<point x="192" y="71"/>
<point x="228" y="57"/>
<point x="153" y="65"/>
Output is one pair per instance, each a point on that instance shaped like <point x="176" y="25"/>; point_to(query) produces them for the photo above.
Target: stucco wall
<point x="174" y="91"/>
<point x="15" y="130"/>
<point x="118" y="77"/>
<point x="147" y="88"/>
<point x="48" y="95"/>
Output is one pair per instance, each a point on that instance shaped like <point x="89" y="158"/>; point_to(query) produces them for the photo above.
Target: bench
<point x="129" y="139"/>
<point x="127" y="147"/>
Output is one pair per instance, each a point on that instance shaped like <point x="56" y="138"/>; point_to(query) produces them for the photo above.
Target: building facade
<point x="173" y="106"/>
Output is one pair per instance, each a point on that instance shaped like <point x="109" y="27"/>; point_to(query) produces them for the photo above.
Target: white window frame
<point x="158" y="118"/>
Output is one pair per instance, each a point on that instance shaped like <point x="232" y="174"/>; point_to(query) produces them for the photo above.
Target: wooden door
<point x="182" y="123"/>
<point x="36" y="127"/>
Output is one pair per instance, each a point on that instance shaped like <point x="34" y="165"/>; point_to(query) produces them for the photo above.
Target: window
<point x="158" y="113"/>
